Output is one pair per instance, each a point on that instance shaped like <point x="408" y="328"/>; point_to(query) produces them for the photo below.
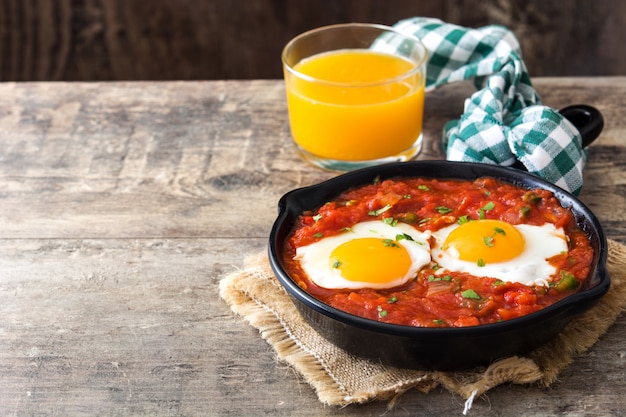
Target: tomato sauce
<point x="455" y="299"/>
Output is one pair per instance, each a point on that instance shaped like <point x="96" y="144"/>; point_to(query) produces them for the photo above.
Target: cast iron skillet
<point x="436" y="348"/>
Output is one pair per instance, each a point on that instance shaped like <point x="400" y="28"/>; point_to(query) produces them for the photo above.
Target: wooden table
<point x="123" y="204"/>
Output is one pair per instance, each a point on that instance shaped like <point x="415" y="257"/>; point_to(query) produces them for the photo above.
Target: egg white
<point x="529" y="268"/>
<point x="314" y="258"/>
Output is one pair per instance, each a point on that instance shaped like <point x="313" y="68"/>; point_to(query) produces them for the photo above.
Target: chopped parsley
<point x="463" y="219"/>
<point x="317" y="217"/>
<point x="404" y="236"/>
<point x="390" y="243"/>
<point x="390" y="221"/>
<point x="318" y="235"/>
<point x="480" y="262"/>
<point x="379" y="211"/>
<point x="443" y="209"/>
<point x="423" y="187"/>
<point x="489" y="206"/>
<point x="489" y="240"/>
<point x="471" y="294"/>
<point x="432" y="278"/>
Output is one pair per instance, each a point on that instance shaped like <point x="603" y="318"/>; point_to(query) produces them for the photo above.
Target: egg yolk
<point x="371" y="260"/>
<point x="487" y="241"/>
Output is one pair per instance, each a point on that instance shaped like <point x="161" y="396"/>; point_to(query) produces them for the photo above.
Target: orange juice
<point x="355" y="105"/>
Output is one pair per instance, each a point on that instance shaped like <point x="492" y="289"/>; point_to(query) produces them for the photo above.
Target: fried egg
<point x="493" y="248"/>
<point x="370" y="254"/>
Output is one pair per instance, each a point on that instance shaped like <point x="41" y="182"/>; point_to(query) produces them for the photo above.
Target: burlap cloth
<point x="340" y="378"/>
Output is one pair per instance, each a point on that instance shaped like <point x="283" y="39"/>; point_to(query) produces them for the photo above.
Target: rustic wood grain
<point x="87" y="40"/>
<point x="123" y="204"/>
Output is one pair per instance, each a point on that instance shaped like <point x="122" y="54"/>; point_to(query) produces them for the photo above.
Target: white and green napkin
<point x="504" y="120"/>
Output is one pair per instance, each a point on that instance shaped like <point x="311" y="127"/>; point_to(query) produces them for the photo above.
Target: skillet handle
<point x="587" y="119"/>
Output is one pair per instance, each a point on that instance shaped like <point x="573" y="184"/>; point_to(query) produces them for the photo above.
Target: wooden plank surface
<point x="123" y="204"/>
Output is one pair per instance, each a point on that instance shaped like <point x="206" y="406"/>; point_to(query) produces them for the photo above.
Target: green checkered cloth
<point x="504" y="120"/>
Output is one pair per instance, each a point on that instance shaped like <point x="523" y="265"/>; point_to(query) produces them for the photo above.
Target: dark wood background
<point x="75" y="40"/>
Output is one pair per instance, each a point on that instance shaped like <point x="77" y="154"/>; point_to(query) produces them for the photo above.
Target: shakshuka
<point x="439" y="253"/>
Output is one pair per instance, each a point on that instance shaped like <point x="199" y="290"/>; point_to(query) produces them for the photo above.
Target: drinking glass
<point x="355" y="95"/>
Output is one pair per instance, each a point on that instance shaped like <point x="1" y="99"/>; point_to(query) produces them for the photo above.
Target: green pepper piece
<point x="409" y="218"/>
<point x="567" y="282"/>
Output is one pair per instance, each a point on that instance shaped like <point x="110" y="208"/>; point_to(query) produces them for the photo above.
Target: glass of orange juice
<point x="355" y="94"/>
